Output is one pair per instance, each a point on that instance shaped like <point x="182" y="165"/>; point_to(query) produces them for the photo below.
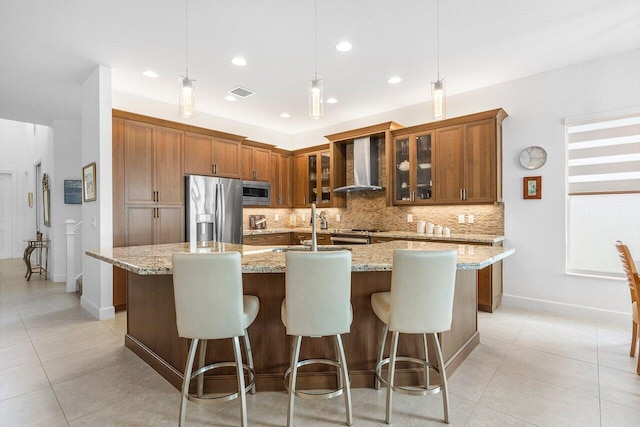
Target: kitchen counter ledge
<point x="394" y="234"/>
<point x="156" y="259"/>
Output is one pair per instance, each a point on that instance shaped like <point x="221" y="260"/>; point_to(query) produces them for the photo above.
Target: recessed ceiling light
<point x="230" y="98"/>
<point x="394" y="80"/>
<point x="239" y="61"/>
<point x="343" y="46"/>
<point x="331" y="101"/>
<point x="150" y="73"/>
<point x="285" y="115"/>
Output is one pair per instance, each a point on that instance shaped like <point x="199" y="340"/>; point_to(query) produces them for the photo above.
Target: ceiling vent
<point x="242" y="92"/>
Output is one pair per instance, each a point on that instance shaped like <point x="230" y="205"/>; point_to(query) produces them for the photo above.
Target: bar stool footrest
<point x="217" y="396"/>
<point x="314" y="394"/>
<point x="415" y="391"/>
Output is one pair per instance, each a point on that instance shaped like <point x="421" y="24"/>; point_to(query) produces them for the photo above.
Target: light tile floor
<point x="61" y="367"/>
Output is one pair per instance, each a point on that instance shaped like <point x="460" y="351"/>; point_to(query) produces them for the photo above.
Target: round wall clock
<point x="533" y="157"/>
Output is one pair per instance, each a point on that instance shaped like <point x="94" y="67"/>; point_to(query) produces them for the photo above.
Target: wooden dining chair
<point x="633" y="280"/>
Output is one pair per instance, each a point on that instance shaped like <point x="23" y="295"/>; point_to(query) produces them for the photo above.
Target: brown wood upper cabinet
<point x="312" y="179"/>
<point x="412" y="169"/>
<point x="467" y="163"/>
<point x="208" y="155"/>
<point x="256" y="163"/>
<point x="152" y="164"/>
<point x="300" y="181"/>
<point x="453" y="161"/>
<point x="280" y="180"/>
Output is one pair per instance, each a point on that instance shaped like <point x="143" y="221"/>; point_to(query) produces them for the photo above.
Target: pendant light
<point x="438" y="100"/>
<point x="186" y="107"/>
<point x="316" y="108"/>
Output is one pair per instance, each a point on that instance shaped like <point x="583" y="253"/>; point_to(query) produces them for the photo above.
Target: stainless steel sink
<point x="301" y="248"/>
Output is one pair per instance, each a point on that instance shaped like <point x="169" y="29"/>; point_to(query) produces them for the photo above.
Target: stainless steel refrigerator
<point x="213" y="209"/>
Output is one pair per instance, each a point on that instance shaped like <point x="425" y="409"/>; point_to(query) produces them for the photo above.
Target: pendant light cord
<point x="186" y="38"/>
<point x="315" y="37"/>
<point x="438" y="34"/>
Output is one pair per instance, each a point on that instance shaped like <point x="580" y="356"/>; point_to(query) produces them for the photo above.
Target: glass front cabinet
<point x="319" y="185"/>
<point x="413" y="183"/>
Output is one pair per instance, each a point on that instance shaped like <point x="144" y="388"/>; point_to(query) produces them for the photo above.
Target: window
<point x="603" y="192"/>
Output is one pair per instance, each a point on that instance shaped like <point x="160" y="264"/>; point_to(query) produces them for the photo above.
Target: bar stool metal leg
<point x="295" y="354"/>
<point x="347" y="383"/>
<point x="240" y="373"/>
<point x="186" y="380"/>
<point x="336" y="347"/>
<point x="426" y="359"/>
<point x="247" y="348"/>
<point x="383" y="341"/>
<point x="392" y="371"/>
<point x="201" y="360"/>
<point x="443" y="376"/>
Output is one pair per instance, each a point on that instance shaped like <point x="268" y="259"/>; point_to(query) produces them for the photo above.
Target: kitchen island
<point x="153" y="336"/>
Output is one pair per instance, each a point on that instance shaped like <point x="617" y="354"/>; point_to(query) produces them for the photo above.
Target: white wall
<point x="537" y="106"/>
<point x="136" y="104"/>
<point x="66" y="154"/>
<point x="21" y="146"/>
<point x="97" y="216"/>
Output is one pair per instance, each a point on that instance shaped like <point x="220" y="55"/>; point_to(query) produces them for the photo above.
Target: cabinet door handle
<point x="158" y="211"/>
<point x="213" y="168"/>
<point x="304" y="200"/>
<point x="461" y="194"/>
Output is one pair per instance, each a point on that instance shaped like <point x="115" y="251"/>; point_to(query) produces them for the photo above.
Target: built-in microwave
<point x="256" y="193"/>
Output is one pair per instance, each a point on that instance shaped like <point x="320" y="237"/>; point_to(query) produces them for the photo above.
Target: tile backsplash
<point x="369" y="210"/>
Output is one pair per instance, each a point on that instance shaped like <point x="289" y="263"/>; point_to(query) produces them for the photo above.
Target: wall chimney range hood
<point x="365" y="167"/>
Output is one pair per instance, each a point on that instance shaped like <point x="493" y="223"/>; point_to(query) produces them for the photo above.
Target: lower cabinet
<point x="323" y="239"/>
<point x="489" y="278"/>
<point x="271" y="239"/>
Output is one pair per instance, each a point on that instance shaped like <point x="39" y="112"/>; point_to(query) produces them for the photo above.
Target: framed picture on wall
<point x="532" y="187"/>
<point x="73" y="191"/>
<point x="89" y="189"/>
<point x="46" y="207"/>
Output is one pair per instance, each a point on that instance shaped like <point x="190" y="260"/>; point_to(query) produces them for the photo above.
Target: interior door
<point x="6" y="192"/>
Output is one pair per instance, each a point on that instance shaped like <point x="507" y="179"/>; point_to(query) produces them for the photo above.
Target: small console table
<point x="41" y="246"/>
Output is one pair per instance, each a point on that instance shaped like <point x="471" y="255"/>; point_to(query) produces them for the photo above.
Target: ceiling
<point x="49" y="47"/>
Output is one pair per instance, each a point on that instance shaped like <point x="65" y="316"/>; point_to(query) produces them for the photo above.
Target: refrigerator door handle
<point x="220" y="212"/>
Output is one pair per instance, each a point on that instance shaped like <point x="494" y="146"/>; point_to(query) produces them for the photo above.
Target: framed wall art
<point x="46" y="207"/>
<point x="73" y="191"/>
<point x="89" y="189"/>
<point x="532" y="187"/>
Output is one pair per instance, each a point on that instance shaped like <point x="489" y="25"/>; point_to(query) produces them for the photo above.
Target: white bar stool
<point x="209" y="305"/>
<point x="420" y="302"/>
<point x="318" y="303"/>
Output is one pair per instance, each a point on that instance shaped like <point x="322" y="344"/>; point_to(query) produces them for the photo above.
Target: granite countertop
<point x="156" y="259"/>
<point x="471" y="238"/>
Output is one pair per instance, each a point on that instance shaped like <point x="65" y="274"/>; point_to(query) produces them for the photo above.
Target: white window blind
<point x="604" y="156"/>
<point x="603" y="192"/>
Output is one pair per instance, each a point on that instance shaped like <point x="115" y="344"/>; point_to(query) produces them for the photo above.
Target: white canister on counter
<point x="446" y="232"/>
<point x="421" y="227"/>
<point x="430" y="228"/>
<point x="437" y="229"/>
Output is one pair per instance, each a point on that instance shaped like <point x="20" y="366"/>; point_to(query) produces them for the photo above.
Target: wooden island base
<point x="153" y="336"/>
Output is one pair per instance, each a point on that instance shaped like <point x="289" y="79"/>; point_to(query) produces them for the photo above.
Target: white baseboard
<point x="99" y="313"/>
<point x="580" y="311"/>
